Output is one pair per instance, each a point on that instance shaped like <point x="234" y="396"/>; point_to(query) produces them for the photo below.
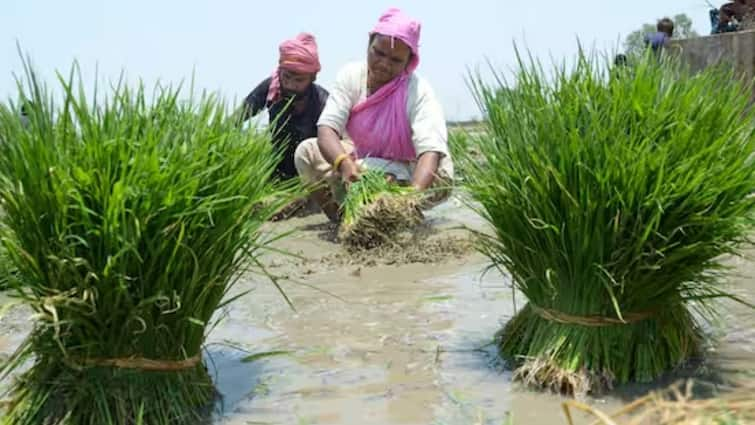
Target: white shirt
<point x="426" y="118"/>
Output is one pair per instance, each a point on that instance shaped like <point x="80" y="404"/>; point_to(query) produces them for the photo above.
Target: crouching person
<point x="380" y="114"/>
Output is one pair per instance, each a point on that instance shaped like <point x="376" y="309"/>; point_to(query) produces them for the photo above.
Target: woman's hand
<point x="349" y="171"/>
<point x="425" y="171"/>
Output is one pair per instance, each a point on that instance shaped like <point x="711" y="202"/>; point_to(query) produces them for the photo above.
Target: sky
<point x="229" y="46"/>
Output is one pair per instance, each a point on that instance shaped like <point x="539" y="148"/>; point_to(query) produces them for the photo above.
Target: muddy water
<point x="392" y="344"/>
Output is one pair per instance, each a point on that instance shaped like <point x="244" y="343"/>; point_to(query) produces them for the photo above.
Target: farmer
<point x="620" y="66"/>
<point x="664" y="32"/>
<point x="294" y="102"/>
<point x="733" y="14"/>
<point x="24" y="113"/>
<point x="380" y="115"/>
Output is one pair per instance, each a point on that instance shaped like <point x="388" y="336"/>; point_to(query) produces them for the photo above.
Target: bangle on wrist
<point x="339" y="160"/>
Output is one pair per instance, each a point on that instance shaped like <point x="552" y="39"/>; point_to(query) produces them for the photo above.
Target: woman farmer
<point x="380" y="114"/>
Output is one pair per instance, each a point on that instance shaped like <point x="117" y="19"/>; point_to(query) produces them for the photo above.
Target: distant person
<point x="24" y="116"/>
<point x="719" y="26"/>
<point x="293" y="100"/>
<point x="732" y="15"/>
<point x="24" y="112"/>
<point x="658" y="40"/>
<point x="620" y="66"/>
<point x="383" y="116"/>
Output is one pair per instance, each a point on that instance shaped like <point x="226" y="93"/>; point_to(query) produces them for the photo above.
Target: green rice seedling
<point x="127" y="220"/>
<point x="458" y="144"/>
<point x="375" y="210"/>
<point x="613" y="203"/>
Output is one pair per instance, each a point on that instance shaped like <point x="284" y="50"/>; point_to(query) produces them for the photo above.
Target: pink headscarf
<point x="299" y="55"/>
<point x="379" y="125"/>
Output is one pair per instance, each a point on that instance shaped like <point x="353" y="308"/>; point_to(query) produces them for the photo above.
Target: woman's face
<point x="387" y="57"/>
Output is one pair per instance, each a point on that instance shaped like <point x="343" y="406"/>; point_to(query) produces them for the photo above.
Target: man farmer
<point x="380" y="115"/>
<point x="294" y="102"/>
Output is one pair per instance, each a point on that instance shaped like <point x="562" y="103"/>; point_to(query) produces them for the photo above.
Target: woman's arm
<point x="429" y="135"/>
<point x="331" y="149"/>
<point x="424" y="172"/>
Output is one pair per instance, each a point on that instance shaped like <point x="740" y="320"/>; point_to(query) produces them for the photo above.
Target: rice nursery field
<point x="593" y="265"/>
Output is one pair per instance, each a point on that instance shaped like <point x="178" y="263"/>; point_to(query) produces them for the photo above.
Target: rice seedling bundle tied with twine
<point x="375" y="210"/>
<point x="613" y="200"/>
<point x="127" y="221"/>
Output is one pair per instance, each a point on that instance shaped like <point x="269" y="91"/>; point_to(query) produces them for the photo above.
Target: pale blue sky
<point x="232" y="44"/>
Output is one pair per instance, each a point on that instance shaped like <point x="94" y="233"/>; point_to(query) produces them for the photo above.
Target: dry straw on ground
<point x="676" y="406"/>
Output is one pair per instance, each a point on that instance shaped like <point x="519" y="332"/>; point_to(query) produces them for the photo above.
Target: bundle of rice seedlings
<point x="375" y="210"/>
<point x="127" y="221"/>
<point x="6" y="270"/>
<point x="612" y="203"/>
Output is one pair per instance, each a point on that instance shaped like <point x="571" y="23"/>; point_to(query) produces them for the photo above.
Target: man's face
<point x="386" y="59"/>
<point x="294" y="84"/>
